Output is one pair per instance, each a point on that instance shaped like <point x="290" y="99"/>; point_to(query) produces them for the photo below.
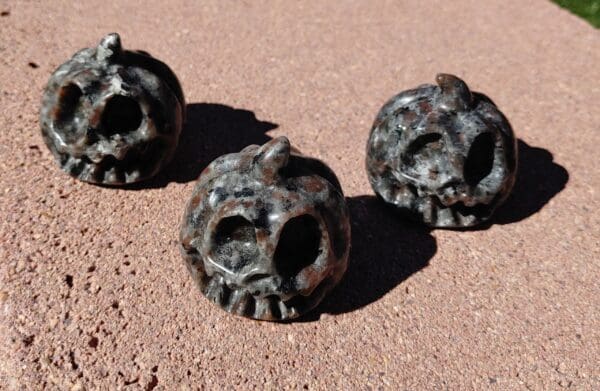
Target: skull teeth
<point x="454" y="214"/>
<point x="89" y="171"/>
<point x="240" y="302"/>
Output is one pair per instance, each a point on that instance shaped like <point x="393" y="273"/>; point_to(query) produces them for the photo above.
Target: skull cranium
<point x="444" y="155"/>
<point x="266" y="234"/>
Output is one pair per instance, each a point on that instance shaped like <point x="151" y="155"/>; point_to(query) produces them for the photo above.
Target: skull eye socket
<point x="298" y="245"/>
<point x="234" y="243"/>
<point x="480" y="159"/>
<point x="121" y="114"/>
<point x="418" y="144"/>
<point x="68" y="103"/>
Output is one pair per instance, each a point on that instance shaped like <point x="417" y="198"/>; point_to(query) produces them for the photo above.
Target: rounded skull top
<point x="266" y="233"/>
<point x="112" y="116"/>
<point x="442" y="154"/>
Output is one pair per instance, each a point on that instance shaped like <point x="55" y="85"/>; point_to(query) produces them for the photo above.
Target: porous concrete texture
<point x="94" y="293"/>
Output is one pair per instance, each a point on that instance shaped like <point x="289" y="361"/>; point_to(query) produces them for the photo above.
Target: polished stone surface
<point x="442" y="155"/>
<point x="266" y="232"/>
<point x="112" y="116"/>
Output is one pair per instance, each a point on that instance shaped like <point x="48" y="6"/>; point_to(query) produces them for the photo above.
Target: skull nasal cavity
<point x="480" y="159"/>
<point x="68" y="102"/>
<point x="298" y="245"/>
<point x="121" y="115"/>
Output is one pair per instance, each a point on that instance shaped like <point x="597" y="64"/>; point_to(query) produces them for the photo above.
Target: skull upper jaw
<point x="445" y="203"/>
<point x="240" y="300"/>
<point x="427" y="207"/>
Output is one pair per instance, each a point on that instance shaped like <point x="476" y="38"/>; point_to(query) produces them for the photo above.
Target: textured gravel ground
<point x="93" y="291"/>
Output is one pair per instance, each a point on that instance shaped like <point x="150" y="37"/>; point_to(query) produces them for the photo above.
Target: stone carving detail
<point x="266" y="233"/>
<point x="442" y="154"/>
<point x="112" y="116"/>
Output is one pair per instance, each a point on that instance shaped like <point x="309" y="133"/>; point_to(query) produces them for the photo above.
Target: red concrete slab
<point x="94" y="294"/>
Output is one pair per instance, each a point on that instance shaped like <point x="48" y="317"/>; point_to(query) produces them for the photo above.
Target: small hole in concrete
<point x="69" y="280"/>
<point x="93" y="342"/>
<point x="152" y="384"/>
<point x="130" y="382"/>
<point x="74" y="365"/>
<point x="27" y="341"/>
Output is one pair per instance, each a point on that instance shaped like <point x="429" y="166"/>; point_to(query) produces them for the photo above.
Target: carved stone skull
<point x="266" y="233"/>
<point x="112" y="116"/>
<point x="442" y="154"/>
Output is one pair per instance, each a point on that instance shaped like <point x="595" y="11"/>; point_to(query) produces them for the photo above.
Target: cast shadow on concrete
<point x="539" y="179"/>
<point x="386" y="250"/>
<point x="210" y="130"/>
